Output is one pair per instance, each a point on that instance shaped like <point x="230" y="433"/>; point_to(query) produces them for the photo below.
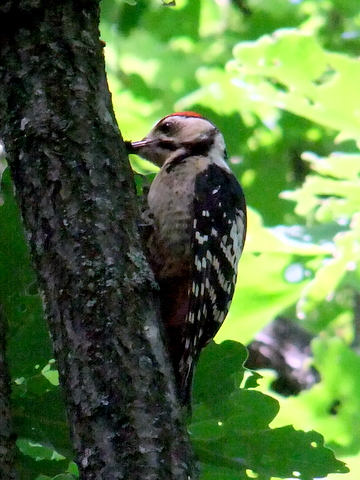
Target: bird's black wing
<point x="219" y="230"/>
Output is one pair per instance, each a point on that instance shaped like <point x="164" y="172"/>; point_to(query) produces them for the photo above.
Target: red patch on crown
<point x="185" y="114"/>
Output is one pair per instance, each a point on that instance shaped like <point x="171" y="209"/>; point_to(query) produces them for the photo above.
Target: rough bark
<point x="75" y="190"/>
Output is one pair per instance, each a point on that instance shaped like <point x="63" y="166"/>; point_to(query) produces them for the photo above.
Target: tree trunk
<point x="75" y="190"/>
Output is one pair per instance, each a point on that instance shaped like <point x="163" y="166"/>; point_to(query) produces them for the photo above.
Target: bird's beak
<point x="135" y="147"/>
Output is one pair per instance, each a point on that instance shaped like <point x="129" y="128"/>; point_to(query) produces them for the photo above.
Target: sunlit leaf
<point x="302" y="77"/>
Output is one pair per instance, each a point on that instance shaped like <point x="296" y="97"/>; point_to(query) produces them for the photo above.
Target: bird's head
<point x="179" y="135"/>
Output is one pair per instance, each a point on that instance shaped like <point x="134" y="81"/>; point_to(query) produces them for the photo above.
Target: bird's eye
<point x="165" y="127"/>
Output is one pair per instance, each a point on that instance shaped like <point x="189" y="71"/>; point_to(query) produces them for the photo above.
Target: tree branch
<point x="75" y="190"/>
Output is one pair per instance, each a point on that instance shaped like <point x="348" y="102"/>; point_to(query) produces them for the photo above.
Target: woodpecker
<point x="198" y="214"/>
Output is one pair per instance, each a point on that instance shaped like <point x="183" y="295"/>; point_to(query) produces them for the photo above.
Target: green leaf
<point x="228" y="432"/>
<point x="290" y="70"/>
<point x="338" y="164"/>
<point x="29" y="342"/>
<point x="28" y="468"/>
<point x="40" y="417"/>
<point x="38" y="451"/>
<point x="262" y="293"/>
<point x="333" y="193"/>
<point x="285" y="452"/>
<point x="224" y="361"/>
<point x="333" y="405"/>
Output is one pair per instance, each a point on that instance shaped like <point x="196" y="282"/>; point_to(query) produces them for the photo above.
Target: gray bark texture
<point x="75" y="190"/>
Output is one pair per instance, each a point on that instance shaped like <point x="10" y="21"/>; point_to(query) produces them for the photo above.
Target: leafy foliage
<point x="282" y="85"/>
<point x="229" y="433"/>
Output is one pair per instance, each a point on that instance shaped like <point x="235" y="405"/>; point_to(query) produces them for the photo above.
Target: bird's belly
<point x="170" y="243"/>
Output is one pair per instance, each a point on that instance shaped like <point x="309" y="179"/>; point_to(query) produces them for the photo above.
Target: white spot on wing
<point x="201" y="238"/>
<point x="197" y="263"/>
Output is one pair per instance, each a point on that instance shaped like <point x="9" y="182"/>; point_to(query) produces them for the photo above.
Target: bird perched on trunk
<point x="198" y="231"/>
